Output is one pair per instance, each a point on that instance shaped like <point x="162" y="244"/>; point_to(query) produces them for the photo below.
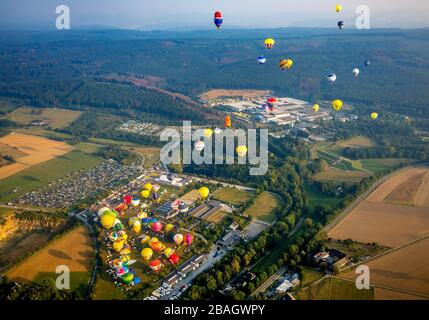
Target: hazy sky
<point x="199" y="13"/>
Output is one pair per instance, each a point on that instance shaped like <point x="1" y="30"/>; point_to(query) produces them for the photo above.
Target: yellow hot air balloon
<point x="316" y="107"/>
<point x="145" y="193"/>
<point x="338" y="7"/>
<point x="285" y="64"/>
<point x="137" y="226"/>
<point x="148" y="187"/>
<point x="153" y="240"/>
<point x="374" y="115"/>
<point x="269" y="43"/>
<point x="108" y="219"/>
<point x="146" y="253"/>
<point x="122" y="235"/>
<point x="337" y="105"/>
<point x="204" y="192"/>
<point x="145" y="239"/>
<point x="207" y="133"/>
<point x="132" y="220"/>
<point x="169" y="227"/>
<point x="118" y="245"/>
<point x="125" y="251"/>
<point x="168" y="252"/>
<point x="142" y="215"/>
<point x="241" y="151"/>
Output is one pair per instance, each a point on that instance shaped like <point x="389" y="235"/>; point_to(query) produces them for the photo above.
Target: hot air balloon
<point x="155" y="265"/>
<point x="145" y="193"/>
<point x="157" y="246"/>
<point x="174" y="259"/>
<point x="271" y="102"/>
<point x="127" y="278"/>
<point x="102" y="210"/>
<point x="156" y="187"/>
<point x="118" y="245"/>
<point x="332" y="77"/>
<point x="146" y="253"/>
<point x="144" y="239"/>
<point x="262" y="60"/>
<point x="131" y="220"/>
<point x="227" y="122"/>
<point x="148" y="187"/>
<point x="137" y="226"/>
<point x="374" y="115"/>
<point x="157" y="227"/>
<point x="204" y="192"/>
<point x="341" y="25"/>
<point x="337" y="105"/>
<point x="125" y="251"/>
<point x="113" y="236"/>
<point x="127" y="199"/>
<point x="146" y="221"/>
<point x="218" y="20"/>
<point x="356" y="72"/>
<point x="175" y="204"/>
<point x="152" y="241"/>
<point x="316" y="107"/>
<point x="285" y="64"/>
<point x="169" y="227"/>
<point x="367" y="63"/>
<point x="199" y="145"/>
<point x="116" y="263"/>
<point x="208" y="133"/>
<point x="338" y="7"/>
<point x="135" y="202"/>
<point x="121" y="271"/>
<point x="269" y="43"/>
<point x="142" y="215"/>
<point x="122" y="235"/>
<point x="178" y="238"/>
<point x="241" y="151"/>
<point x="188" y="239"/>
<point x="108" y="219"/>
<point x="168" y="252"/>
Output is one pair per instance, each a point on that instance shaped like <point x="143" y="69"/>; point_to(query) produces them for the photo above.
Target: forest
<point x="50" y="70"/>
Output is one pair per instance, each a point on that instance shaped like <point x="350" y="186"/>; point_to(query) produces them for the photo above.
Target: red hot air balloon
<point x="189" y="238"/>
<point x="174" y="258"/>
<point x="127" y="199"/>
<point x="157" y="227"/>
<point x="155" y="265"/>
<point x="271" y="102"/>
<point x="218" y="19"/>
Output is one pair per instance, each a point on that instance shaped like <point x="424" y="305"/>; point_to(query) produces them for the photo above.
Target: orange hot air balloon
<point x="227" y="122"/>
<point x="155" y="265"/>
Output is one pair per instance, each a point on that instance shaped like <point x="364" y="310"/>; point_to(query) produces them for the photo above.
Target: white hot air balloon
<point x="356" y="72"/>
<point x="332" y="77"/>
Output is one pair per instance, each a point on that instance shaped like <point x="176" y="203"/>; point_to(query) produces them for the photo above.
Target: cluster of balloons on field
<point x="151" y="245"/>
<point x="287" y="63"/>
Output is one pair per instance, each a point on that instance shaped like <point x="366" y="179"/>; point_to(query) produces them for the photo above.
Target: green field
<point x="334" y="289"/>
<point x="315" y="197"/>
<point x="346" y="170"/>
<point x="356" y="250"/>
<point x="264" y="207"/>
<point x="233" y="196"/>
<point x="55" y="118"/>
<point x="45" y="172"/>
<point x="309" y="276"/>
